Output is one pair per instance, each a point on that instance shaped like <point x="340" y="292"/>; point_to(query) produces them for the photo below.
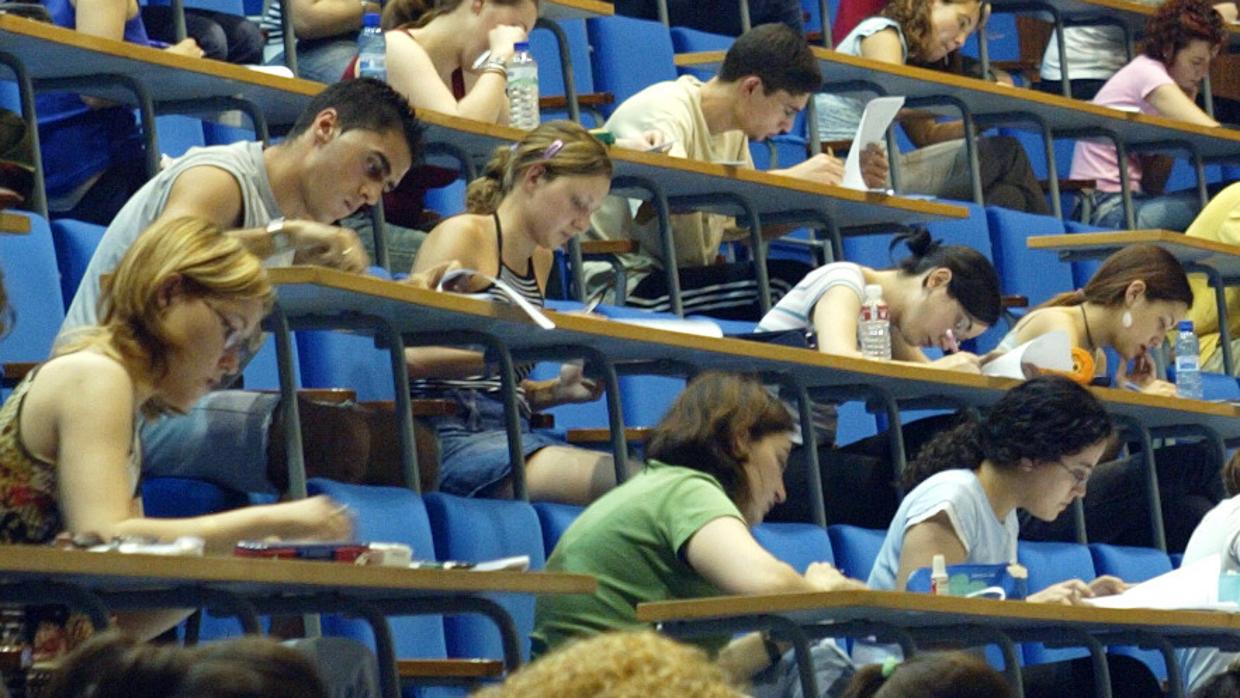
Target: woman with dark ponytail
<point x="1034" y="450"/>
<point x="929" y="675"/>
<point x="531" y="199"/>
<point x="937" y="296"/>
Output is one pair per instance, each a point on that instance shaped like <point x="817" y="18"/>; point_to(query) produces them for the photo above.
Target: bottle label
<point x="874" y="312"/>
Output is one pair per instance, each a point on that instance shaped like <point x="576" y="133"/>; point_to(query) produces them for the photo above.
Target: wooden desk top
<point x="49" y="51"/>
<point x="575" y="9"/>
<point x="1219" y="255"/>
<point x="1132" y="14"/>
<point x="925" y="611"/>
<point x="14" y="223"/>
<point x="313" y="293"/>
<point x="680" y="176"/>
<point x="118" y="572"/>
<point x="985" y="97"/>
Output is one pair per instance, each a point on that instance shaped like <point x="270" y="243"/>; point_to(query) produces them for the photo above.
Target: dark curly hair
<point x="711" y="421"/>
<point x="1042" y="419"/>
<point x="1178" y="23"/>
<point x="975" y="283"/>
<point x="930" y="675"/>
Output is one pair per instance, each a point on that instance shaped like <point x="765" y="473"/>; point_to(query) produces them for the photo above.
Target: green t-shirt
<point x="630" y="540"/>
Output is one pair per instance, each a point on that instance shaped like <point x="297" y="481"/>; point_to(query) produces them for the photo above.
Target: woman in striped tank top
<point x="531" y="199"/>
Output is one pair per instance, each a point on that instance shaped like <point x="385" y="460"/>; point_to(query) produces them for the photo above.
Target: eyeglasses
<point x="234" y="338"/>
<point x="1079" y="478"/>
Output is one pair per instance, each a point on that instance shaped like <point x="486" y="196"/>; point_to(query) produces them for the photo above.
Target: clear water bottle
<point x="1187" y="362"/>
<point x="371" y="49"/>
<point x="523" y="88"/>
<point x="874" y="325"/>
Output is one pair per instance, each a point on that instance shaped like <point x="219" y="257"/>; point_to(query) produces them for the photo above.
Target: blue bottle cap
<point x="521" y="46"/>
<point x="1185" y="326"/>
<point x="370" y="19"/>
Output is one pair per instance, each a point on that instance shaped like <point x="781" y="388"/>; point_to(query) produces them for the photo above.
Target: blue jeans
<point x="1174" y="211"/>
<point x="323" y="60"/>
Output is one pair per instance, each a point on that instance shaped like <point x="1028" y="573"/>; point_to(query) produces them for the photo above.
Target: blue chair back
<point x="1035" y="274"/>
<point x="798" y="544"/>
<point x="343" y="360"/>
<point x="554" y="519"/>
<point x="629" y="55"/>
<point x="1050" y="563"/>
<point x="32" y="282"/>
<point x="178" y="134"/>
<point x="855" y="548"/>
<point x="1133" y="565"/>
<point x="686" y="40"/>
<point x="550" y="75"/>
<point x="75" y="243"/>
<point x="388" y="515"/>
<point x="475" y="530"/>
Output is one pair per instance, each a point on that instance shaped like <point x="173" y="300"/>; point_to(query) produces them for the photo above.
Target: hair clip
<point x="556" y="146"/>
<point x="514" y="147"/>
<point x="889" y="666"/>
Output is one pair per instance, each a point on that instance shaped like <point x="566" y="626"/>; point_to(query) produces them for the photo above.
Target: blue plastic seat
<point x="1050" y="563"/>
<point x="629" y="55"/>
<point x="390" y="515"/>
<point x="550" y="75"/>
<point x="686" y="40"/>
<point x="555" y="518"/>
<point x="32" y="281"/>
<point x="1035" y="274"/>
<point x="798" y="544"/>
<point x="75" y="244"/>
<point x="855" y="548"/>
<point x="475" y="530"/>
<point x="1133" y="565"/>
<point x="178" y="134"/>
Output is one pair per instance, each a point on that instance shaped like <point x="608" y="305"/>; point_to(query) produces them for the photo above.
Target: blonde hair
<point x="563" y="148"/>
<point x="619" y="665"/>
<point x="413" y="14"/>
<point x="131" y="325"/>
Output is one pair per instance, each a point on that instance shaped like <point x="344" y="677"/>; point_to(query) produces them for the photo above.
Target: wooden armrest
<point x="1014" y="301"/>
<point x="592" y="99"/>
<point x="15" y="371"/>
<point x="608" y="246"/>
<point x="333" y="396"/>
<point x="449" y="668"/>
<point x="421" y="407"/>
<point x="602" y="436"/>
<point x="839" y="148"/>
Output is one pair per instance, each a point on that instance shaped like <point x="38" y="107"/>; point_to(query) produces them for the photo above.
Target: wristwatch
<point x="487" y="63"/>
<point x="280" y="242"/>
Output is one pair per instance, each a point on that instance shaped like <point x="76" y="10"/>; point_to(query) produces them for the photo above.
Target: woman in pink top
<point x="1181" y="39"/>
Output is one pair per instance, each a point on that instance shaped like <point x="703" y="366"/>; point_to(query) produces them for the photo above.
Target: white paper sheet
<point x="1052" y="350"/>
<point x="1191" y="587"/>
<point x="703" y="328"/>
<point x="874" y="122"/>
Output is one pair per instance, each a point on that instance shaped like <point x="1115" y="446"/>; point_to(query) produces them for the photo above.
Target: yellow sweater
<point x="1220" y="221"/>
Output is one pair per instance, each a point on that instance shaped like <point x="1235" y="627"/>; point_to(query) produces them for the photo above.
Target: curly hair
<point x="914" y="19"/>
<point x="1177" y="24"/>
<point x="711" y="424"/>
<point x="403" y="14"/>
<point x="619" y="665"/>
<point x="930" y="675"/>
<point x="1042" y="419"/>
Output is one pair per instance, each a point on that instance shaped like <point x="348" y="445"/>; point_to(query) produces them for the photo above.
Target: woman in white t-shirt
<point x="1181" y="40"/>
<point x="1034" y="450"/>
<point x="925" y="32"/>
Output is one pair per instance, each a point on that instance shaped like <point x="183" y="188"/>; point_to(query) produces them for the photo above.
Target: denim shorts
<point x="473" y="444"/>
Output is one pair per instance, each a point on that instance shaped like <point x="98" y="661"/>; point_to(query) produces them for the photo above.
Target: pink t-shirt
<point x="1126" y="90"/>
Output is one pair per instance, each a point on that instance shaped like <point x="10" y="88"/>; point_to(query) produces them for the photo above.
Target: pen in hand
<point x="952" y="345"/>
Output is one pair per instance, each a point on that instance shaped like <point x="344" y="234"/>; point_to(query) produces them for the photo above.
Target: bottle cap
<point x="370" y="19"/>
<point x="873" y="292"/>
<point x="938" y="566"/>
<point x="521" y="46"/>
<point x="1186" y="325"/>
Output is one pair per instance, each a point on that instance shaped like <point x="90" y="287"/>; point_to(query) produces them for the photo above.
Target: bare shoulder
<point x="468" y="239"/>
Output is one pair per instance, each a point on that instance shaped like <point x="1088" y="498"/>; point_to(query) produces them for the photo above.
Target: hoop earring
<point x="1126" y="319"/>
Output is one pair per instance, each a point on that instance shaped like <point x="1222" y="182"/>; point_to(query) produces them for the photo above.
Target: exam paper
<point x="874" y="122"/>
<point x="1051" y="351"/>
<point x="1191" y="587"/>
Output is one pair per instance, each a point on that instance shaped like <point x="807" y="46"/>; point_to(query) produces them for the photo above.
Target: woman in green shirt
<point x="681" y="528"/>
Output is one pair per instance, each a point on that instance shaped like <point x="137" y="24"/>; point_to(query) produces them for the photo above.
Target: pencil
<point x="830" y="151"/>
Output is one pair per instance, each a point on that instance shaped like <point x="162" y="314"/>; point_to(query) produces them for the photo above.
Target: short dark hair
<point x="706" y="425"/>
<point x="974" y="282"/>
<point x="367" y="104"/>
<point x="778" y="56"/>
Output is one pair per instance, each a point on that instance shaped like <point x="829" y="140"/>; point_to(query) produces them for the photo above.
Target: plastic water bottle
<point x="371" y="49"/>
<point x="1187" y="362"/>
<point x="523" y="88"/>
<point x="874" y="325"/>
